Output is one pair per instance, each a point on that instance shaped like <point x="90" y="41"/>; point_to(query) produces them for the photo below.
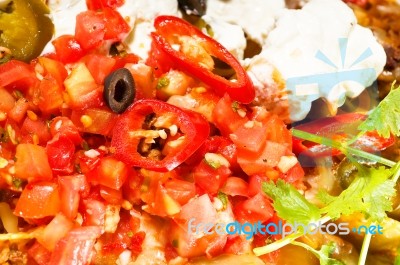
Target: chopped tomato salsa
<point x="91" y="184"/>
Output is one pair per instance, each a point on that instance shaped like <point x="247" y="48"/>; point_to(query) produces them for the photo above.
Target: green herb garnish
<point x="385" y="118"/>
<point x="324" y="254"/>
<point x="290" y="204"/>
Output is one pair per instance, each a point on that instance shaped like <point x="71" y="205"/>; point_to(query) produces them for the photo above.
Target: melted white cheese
<point x="256" y="17"/>
<point x="300" y="35"/>
<point x="144" y="12"/>
<point x="229" y="35"/>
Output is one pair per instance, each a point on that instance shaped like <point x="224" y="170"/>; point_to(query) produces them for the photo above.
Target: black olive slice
<point x="119" y="90"/>
<point x="193" y="7"/>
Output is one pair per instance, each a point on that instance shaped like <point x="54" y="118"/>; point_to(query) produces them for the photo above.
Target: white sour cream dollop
<point x="320" y="52"/>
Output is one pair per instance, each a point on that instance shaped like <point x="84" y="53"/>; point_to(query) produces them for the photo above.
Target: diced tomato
<point x="205" y="102"/>
<point x="150" y="181"/>
<point x="53" y="68"/>
<point x="269" y="157"/>
<point x="272" y="257"/>
<point x="18" y="75"/>
<point x="60" y="151"/>
<point x="158" y="60"/>
<point x="89" y="29"/>
<point x="226" y="115"/>
<point x="277" y="131"/>
<point x="294" y="174"/>
<point x="236" y="245"/>
<point x="18" y="112"/>
<point x="38" y="200"/>
<point x="99" y="66"/>
<point x="228" y="150"/>
<point x="250" y="137"/>
<point x="111" y="196"/>
<point x="116" y="26"/>
<point x="216" y="246"/>
<point x="109" y="172"/>
<point x="170" y="252"/>
<point x="32" y="163"/>
<point x="185" y="243"/>
<point x="124" y="59"/>
<point x="210" y="179"/>
<point x="36" y="127"/>
<point x="180" y="190"/>
<point x="71" y="188"/>
<point x="216" y="144"/>
<point x="51" y="87"/>
<point x="132" y="188"/>
<point x="144" y="80"/>
<point x="7" y="100"/>
<point x="102" y="120"/>
<point x="39" y="254"/>
<point x="54" y="231"/>
<point x="50" y="95"/>
<point x="162" y="203"/>
<point x="76" y="247"/>
<point x="93" y="212"/>
<point x="93" y="27"/>
<point x="64" y="126"/>
<point x="86" y="163"/>
<point x="67" y="48"/>
<point x="188" y="245"/>
<point x="199" y="210"/>
<point x="235" y="186"/>
<point x="165" y="194"/>
<point x="82" y="89"/>
<point x="255" y="183"/>
<point x="254" y="209"/>
<point x="126" y="236"/>
<point x="136" y="243"/>
<point x="99" y="4"/>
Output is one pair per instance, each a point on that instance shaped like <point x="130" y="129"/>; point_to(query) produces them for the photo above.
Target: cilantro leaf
<point x="324" y="254"/>
<point x="369" y="193"/>
<point x="290" y="204"/>
<point x="385" y="118"/>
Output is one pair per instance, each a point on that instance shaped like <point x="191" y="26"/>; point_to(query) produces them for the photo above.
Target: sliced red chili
<point x="193" y="127"/>
<point x="340" y="128"/>
<point x="169" y="29"/>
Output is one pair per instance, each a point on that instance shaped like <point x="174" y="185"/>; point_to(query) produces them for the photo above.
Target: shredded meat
<point x="383" y="18"/>
<point x="13" y="254"/>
